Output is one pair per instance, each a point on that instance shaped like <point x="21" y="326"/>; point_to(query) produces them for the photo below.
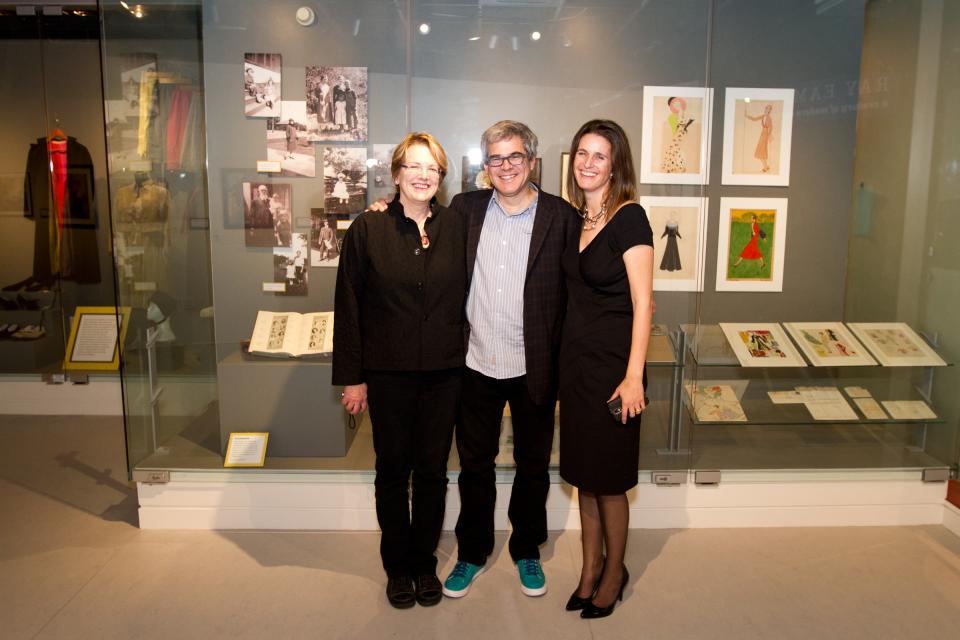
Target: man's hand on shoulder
<point x="379" y="206"/>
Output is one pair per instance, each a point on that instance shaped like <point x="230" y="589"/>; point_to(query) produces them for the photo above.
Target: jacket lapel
<point x="476" y="212"/>
<point x="541" y="225"/>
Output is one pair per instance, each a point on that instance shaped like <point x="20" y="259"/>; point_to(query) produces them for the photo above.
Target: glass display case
<point x="798" y="164"/>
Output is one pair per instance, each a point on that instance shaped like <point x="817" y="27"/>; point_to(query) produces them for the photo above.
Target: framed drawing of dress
<point x="675" y="145"/>
<point x="828" y="344"/>
<point x="895" y="344"/>
<point x="757" y="133"/>
<point x="679" y="241"/>
<point x="751" y="244"/>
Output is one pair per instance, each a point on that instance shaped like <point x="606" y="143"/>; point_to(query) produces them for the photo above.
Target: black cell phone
<point x="615" y="407"/>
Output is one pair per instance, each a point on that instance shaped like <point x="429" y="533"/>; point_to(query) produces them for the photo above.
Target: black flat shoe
<point x="429" y="590"/>
<point x="593" y="611"/>
<point x="400" y="592"/>
<point x="576" y="603"/>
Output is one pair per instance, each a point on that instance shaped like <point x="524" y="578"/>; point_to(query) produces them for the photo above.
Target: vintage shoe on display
<point x="458" y="582"/>
<point x="400" y="592"/>
<point x="428" y="588"/>
<point x="532" y="580"/>
<point x="593" y="611"/>
<point x="30" y="332"/>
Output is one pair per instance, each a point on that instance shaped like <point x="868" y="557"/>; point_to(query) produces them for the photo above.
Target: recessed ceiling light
<point x="534" y="35"/>
<point x="424" y="28"/>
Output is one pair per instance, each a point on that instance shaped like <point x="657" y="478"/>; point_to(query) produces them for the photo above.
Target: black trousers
<point x="478" y="442"/>
<point x="412" y="413"/>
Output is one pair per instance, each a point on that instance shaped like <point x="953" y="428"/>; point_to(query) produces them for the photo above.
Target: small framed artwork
<point x="676" y="135"/>
<point x="761" y="344"/>
<point x="828" y="344"/>
<point x="564" y="172"/>
<point x="751" y="244"/>
<point x="757" y="132"/>
<point x="679" y="241"/>
<point x="262" y="74"/>
<point x="895" y="344"/>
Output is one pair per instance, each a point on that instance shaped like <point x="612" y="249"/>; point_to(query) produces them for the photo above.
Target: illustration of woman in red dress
<point x="762" y="152"/>
<point x="752" y="250"/>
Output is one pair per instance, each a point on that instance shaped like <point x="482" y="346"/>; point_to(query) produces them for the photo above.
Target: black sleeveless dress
<point x="597" y="453"/>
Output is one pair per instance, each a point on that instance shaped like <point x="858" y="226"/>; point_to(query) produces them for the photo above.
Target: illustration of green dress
<point x="673" y="161"/>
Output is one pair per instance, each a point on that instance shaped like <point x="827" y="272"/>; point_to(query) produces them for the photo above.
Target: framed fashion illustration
<point x="895" y="344"/>
<point x="761" y="344"/>
<point x="675" y="146"/>
<point x="828" y="344"/>
<point x="757" y="134"/>
<point x="679" y="241"/>
<point x="751" y="244"/>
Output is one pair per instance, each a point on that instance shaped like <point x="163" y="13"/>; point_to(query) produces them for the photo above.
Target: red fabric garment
<point x="57" y="150"/>
<point x="752" y="251"/>
<point x="177" y="125"/>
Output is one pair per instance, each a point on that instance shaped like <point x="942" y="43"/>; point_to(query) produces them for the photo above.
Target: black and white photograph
<point x="287" y="142"/>
<point x="290" y="266"/>
<point x="337" y="105"/>
<point x="344" y="179"/>
<point x="267" y="214"/>
<point x="261" y="85"/>
<point x="326" y="237"/>
<point x="381" y="185"/>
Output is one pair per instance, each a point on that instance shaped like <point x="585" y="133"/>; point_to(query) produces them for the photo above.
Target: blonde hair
<point x="414" y="139"/>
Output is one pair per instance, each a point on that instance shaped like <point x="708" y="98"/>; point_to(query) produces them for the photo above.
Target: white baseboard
<point x="349" y="505"/>
<point x="951" y="518"/>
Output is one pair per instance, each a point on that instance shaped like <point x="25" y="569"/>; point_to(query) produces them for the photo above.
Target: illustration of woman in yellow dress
<point x="761" y="153"/>
<point x="673" y="161"/>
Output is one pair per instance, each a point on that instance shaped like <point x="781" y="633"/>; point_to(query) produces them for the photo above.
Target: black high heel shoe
<point x="576" y="603"/>
<point x="593" y="611"/>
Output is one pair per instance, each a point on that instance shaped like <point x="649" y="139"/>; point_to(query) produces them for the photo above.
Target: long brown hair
<point x="623" y="183"/>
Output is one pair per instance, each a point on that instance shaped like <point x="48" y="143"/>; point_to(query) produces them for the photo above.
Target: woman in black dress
<point x="605" y="335"/>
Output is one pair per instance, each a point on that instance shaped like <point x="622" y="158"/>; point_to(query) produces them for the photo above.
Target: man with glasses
<point x="516" y="234"/>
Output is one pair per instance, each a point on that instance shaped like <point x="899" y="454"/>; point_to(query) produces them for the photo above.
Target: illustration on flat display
<point x="326" y="237"/>
<point x="715" y="402"/>
<point x="344" y="179"/>
<point x="751" y="244"/>
<point x="675" y="141"/>
<point x="287" y="141"/>
<point x="758" y="126"/>
<point x="761" y="345"/>
<point x="381" y="185"/>
<point x="828" y="344"/>
<point x="895" y="344"/>
<point x="337" y="107"/>
<point x="267" y="217"/>
<point x="290" y="266"/>
<point x="261" y="85"/>
<point x="679" y="241"/>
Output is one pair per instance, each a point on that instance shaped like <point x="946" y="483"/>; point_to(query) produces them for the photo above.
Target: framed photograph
<point x="261" y="85"/>
<point x="828" y="344"/>
<point x="757" y="131"/>
<point x="473" y="177"/>
<point x="326" y="237"/>
<point x="761" y="344"/>
<point x="344" y="179"/>
<point x="564" y="172"/>
<point x="290" y="266"/>
<point x="381" y="180"/>
<point x="679" y="241"/>
<point x="895" y="344"/>
<point x="267" y="211"/>
<point x="337" y="106"/>
<point x="675" y="145"/>
<point x="287" y="141"/>
<point x="751" y="244"/>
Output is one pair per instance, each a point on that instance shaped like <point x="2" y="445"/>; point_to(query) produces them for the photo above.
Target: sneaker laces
<point x="459" y="570"/>
<point x="531" y="566"/>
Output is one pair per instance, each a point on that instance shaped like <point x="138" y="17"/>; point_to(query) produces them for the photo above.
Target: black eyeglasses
<point x="516" y="159"/>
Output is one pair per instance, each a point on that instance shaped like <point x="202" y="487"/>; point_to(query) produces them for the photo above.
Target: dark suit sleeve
<point x="347" y="336"/>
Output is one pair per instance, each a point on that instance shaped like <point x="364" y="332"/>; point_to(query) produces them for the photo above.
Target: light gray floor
<point x="74" y="565"/>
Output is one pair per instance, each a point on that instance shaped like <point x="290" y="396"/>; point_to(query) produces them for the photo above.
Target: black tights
<point x="604" y="521"/>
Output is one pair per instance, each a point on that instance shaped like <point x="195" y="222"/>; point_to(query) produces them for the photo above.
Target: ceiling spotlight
<point x="474" y="37"/>
<point x="534" y="35"/>
<point x="424" y="28"/>
<point x="305" y="16"/>
<point x="138" y="11"/>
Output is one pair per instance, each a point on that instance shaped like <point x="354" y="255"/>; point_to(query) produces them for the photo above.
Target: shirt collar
<point x="530" y="207"/>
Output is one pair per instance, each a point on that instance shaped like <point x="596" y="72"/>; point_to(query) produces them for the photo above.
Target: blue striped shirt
<point x="495" y="300"/>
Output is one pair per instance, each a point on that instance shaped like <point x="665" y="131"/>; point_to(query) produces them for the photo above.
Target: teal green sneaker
<point x="532" y="580"/>
<point x="458" y="582"/>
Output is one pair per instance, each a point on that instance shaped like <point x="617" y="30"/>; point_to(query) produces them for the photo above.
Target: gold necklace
<point x="590" y="222"/>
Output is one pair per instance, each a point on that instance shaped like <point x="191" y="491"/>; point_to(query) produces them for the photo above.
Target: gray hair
<point x="509" y="129"/>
